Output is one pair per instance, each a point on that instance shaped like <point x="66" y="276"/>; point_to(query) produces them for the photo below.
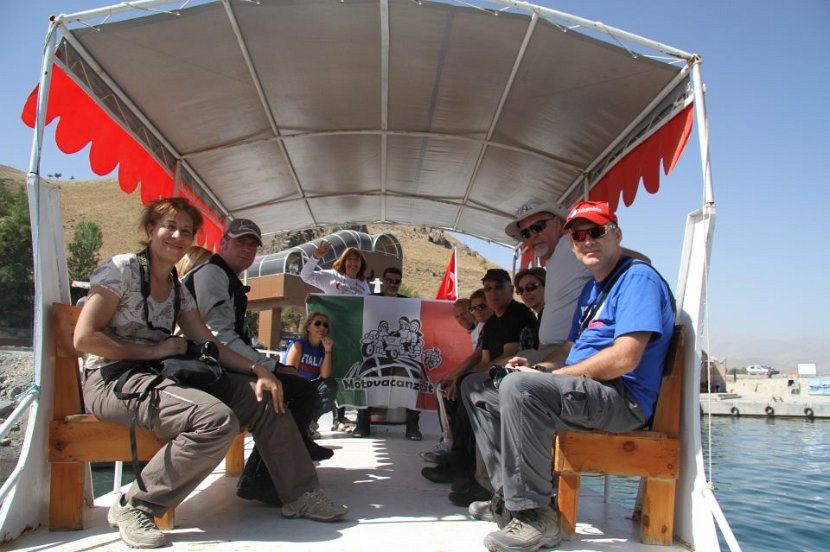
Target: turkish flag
<point x="449" y="289"/>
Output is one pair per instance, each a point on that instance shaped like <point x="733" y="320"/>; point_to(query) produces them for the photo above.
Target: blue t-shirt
<point x="311" y="358"/>
<point x="638" y="302"/>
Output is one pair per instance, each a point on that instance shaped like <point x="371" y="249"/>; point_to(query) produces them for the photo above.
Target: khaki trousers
<point x="200" y="429"/>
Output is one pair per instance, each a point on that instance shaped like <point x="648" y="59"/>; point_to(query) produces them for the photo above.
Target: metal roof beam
<point x="507" y="88"/>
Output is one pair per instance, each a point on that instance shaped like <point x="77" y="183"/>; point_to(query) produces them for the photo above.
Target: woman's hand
<point x="328" y="343"/>
<point x="171" y="346"/>
<point x="321" y="251"/>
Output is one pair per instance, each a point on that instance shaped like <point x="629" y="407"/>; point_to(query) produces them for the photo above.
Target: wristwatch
<point x="254" y="365"/>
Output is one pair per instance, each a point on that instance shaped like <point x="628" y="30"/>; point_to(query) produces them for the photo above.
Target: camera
<point x="201" y="350"/>
<point x="498" y="373"/>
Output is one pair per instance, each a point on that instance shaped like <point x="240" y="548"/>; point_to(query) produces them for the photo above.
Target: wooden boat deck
<point x="391" y="507"/>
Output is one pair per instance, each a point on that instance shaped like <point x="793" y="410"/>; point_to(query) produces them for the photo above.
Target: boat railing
<point x="30" y="396"/>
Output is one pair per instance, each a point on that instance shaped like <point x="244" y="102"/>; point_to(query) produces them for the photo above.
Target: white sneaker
<point x="138" y="529"/>
<point x="438" y="451"/>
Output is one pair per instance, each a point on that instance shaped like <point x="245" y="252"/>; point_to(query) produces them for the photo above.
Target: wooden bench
<point x="652" y="455"/>
<point x="76" y="438"/>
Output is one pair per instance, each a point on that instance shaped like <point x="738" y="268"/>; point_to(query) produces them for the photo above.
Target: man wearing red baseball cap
<point x="605" y="376"/>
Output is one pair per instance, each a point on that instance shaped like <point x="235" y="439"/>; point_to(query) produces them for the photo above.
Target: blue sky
<point x="765" y="67"/>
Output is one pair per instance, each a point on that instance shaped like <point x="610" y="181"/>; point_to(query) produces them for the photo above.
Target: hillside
<point x="117" y="213"/>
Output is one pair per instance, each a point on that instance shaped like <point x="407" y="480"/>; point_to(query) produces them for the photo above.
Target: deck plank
<point x="391" y="508"/>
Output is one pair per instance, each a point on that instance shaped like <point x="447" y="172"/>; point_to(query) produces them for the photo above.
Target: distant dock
<point x="760" y="396"/>
<point x="731" y="404"/>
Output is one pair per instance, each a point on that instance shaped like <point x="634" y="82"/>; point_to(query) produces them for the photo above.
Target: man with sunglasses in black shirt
<point x="500" y="340"/>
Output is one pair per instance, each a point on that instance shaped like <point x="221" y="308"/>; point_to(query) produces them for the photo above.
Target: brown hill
<point x="426" y="252"/>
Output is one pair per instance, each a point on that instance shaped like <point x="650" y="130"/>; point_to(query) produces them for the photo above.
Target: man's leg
<point x="300" y="396"/>
<point x="481" y="404"/>
<point x="460" y="463"/>
<point x="413" y="431"/>
<point x="444" y="416"/>
<point x="255" y="482"/>
<point x="277" y="438"/>
<point x="533" y="407"/>
<point x="284" y="453"/>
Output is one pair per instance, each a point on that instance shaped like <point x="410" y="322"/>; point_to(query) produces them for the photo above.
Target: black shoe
<point x="462" y="484"/>
<point x="474" y="493"/>
<point x="251" y="488"/>
<point x="442" y="473"/>
<point x="413" y="433"/>
<point x="363" y="427"/>
<point x="317" y="452"/>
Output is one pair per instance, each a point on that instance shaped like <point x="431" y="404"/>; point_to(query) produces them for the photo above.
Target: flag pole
<point x="455" y="271"/>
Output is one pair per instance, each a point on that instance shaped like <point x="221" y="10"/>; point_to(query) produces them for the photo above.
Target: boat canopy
<point x="313" y="113"/>
<point x="299" y="114"/>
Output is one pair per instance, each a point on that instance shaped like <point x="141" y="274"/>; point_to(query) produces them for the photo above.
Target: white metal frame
<point x="15" y="516"/>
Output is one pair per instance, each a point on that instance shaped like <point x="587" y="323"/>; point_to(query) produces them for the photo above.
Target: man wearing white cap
<point x="540" y="225"/>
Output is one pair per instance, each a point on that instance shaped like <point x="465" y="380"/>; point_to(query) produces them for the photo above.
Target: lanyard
<point x="619" y="269"/>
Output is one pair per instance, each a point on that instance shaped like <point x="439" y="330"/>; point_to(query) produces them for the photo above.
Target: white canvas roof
<point x="300" y="114"/>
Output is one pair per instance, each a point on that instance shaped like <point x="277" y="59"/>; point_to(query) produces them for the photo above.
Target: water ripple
<point x="771" y="479"/>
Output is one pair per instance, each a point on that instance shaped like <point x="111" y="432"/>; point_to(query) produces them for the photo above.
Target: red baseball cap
<point x="598" y="212"/>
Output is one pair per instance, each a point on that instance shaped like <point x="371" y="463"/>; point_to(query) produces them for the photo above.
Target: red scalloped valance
<point x="665" y="145"/>
<point x="82" y="122"/>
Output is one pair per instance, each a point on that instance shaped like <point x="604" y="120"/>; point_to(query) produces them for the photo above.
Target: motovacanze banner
<point x="390" y="351"/>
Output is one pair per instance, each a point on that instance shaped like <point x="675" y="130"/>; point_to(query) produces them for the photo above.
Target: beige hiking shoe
<point x="528" y="531"/>
<point x="315" y="505"/>
<point x="138" y="529"/>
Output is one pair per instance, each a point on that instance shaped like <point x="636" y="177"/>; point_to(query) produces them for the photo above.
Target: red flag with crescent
<point x="449" y="284"/>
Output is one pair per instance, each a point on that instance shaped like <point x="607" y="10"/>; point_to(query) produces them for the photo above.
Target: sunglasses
<point x="318" y="323"/>
<point x="596" y="232"/>
<point x="529" y="287"/>
<point x="481" y="307"/>
<point x="392" y="281"/>
<point x="534" y="228"/>
<point x="494" y="287"/>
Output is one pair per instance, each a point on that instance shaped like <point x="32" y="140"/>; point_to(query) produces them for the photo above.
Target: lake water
<point x="771" y="477"/>
<point x="772" y="481"/>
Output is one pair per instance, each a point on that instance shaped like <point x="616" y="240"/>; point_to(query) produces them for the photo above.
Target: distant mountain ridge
<point x="426" y="252"/>
<point x="425" y="261"/>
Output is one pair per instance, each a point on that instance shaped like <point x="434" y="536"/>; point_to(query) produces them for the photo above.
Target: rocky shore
<point x="15" y="378"/>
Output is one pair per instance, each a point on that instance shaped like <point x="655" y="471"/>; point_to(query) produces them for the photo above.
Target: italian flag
<point x="390" y="351"/>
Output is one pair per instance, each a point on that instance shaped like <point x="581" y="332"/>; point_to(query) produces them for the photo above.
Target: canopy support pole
<point x="703" y="131"/>
<point x="384" y="105"/>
